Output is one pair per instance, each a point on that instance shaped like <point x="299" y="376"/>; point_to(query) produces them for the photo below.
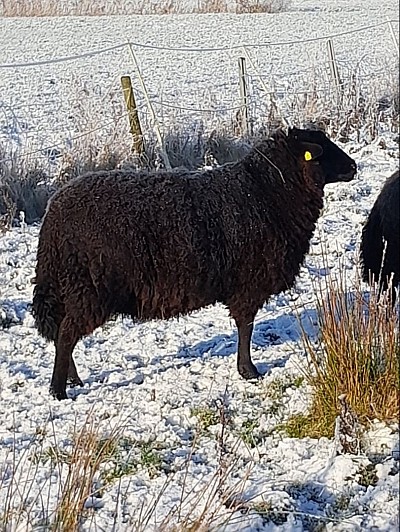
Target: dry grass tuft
<point x="357" y="357"/>
<point x="212" y="6"/>
<point x="89" y="451"/>
<point x="262" y="6"/>
<point x="23" y="188"/>
<point x="62" y="500"/>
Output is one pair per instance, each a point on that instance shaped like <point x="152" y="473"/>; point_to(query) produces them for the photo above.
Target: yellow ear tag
<point x="307" y="156"/>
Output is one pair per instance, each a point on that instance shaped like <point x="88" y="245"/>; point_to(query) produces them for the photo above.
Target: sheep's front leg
<point x="245" y="365"/>
<point x="67" y="338"/>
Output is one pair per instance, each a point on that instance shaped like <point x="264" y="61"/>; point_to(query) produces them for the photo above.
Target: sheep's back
<point x="177" y="241"/>
<point x="388" y="206"/>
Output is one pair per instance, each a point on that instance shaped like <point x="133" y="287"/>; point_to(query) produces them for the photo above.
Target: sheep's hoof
<point x="249" y="372"/>
<point x="74" y="381"/>
<point x="60" y="395"/>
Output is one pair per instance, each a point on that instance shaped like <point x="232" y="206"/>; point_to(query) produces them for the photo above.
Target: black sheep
<point x="162" y="244"/>
<point x="380" y="241"/>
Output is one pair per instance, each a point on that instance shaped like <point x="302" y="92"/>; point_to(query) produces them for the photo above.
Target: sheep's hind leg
<point x="73" y="378"/>
<point x="68" y="337"/>
<point x="245" y="366"/>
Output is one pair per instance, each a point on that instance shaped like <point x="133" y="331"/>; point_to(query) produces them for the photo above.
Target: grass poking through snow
<point x="356" y="357"/>
<point x="88" y="452"/>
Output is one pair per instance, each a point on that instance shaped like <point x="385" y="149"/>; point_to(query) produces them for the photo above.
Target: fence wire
<point x="49" y="107"/>
<point x="192" y="49"/>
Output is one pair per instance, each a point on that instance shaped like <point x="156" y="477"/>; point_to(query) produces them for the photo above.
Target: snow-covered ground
<point x="156" y="380"/>
<point x="167" y="385"/>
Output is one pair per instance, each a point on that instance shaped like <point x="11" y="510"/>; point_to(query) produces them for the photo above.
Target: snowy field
<point x="193" y="431"/>
<point x="192" y="74"/>
<point x="151" y="379"/>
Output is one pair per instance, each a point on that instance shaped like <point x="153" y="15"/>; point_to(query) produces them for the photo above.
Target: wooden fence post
<point x="244" y="111"/>
<point x="153" y="115"/>
<point x="136" y="130"/>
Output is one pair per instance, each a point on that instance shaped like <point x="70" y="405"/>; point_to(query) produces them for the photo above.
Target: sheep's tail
<point x="45" y="310"/>
<point x="47" y="306"/>
<point x="372" y="248"/>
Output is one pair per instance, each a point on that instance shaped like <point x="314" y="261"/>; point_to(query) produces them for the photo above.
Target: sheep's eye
<point x="307" y="156"/>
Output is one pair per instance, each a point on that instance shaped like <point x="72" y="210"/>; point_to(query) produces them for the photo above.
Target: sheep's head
<point x="314" y="148"/>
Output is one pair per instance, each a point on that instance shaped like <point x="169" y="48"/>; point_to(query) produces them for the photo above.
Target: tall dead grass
<point x="24" y="505"/>
<point x="356" y="358"/>
<point x="54" y="8"/>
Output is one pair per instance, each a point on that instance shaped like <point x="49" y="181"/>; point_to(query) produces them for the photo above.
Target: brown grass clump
<point x="356" y="357"/>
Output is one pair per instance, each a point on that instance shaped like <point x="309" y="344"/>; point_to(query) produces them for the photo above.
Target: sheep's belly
<point x="171" y="303"/>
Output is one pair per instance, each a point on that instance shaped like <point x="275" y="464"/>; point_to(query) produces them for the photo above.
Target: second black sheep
<point x="380" y="242"/>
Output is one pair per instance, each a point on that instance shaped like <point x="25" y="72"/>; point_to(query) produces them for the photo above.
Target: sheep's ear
<point x="311" y="151"/>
